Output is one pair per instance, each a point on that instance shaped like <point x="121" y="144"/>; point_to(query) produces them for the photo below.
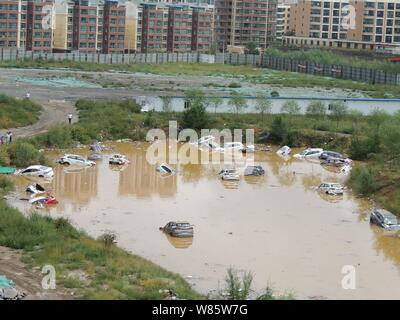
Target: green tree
<point x="377" y="117"/>
<point x="263" y="105"/>
<point x="167" y="102"/>
<point x="237" y="102"/>
<point x="355" y="116"/>
<point x="195" y="97"/>
<point x="215" y="102"/>
<point x="196" y="117"/>
<point x="291" y="107"/>
<point x="316" y="109"/>
<point x="251" y="48"/>
<point x="278" y="130"/>
<point x="339" y="111"/>
<point x="390" y="136"/>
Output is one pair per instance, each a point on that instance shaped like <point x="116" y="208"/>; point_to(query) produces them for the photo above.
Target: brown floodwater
<point x="277" y="226"/>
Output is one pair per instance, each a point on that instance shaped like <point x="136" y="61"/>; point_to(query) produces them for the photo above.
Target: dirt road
<point x="28" y="281"/>
<point x="54" y="112"/>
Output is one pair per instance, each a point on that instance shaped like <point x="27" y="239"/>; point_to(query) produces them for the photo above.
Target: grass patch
<point x="113" y="273"/>
<point x="17" y="113"/>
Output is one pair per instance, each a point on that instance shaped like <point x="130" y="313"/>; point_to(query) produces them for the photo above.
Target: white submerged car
<point x="73" y="159"/>
<point x="118" y="159"/>
<point x="36" y="171"/>
<point x="309" y="153"/>
<point x="229" y="175"/>
<point x="333" y="189"/>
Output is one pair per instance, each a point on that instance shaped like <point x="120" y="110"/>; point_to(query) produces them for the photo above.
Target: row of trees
<point x="237" y="102"/>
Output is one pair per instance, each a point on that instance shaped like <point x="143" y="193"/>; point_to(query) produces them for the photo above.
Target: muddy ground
<point x="27" y="280"/>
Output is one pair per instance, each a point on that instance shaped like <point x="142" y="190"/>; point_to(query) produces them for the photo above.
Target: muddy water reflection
<point x="276" y="226"/>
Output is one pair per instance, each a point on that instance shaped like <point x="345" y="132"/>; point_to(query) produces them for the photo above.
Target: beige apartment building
<point x="282" y="20"/>
<point x="345" y="24"/>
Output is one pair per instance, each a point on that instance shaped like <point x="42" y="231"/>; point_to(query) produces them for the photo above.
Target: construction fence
<point x="373" y="76"/>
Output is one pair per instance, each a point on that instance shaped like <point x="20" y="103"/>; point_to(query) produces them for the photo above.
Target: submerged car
<point x="233" y="146"/>
<point x="229" y="175"/>
<point x="254" y="171"/>
<point x="44" y="200"/>
<point x="309" y="153"/>
<point x="165" y="168"/>
<point x="337" y="162"/>
<point x="73" y="159"/>
<point x="97" y="147"/>
<point x="95" y="157"/>
<point x="178" y="229"/>
<point x="384" y="219"/>
<point x="331" y="154"/>
<point x="284" y="151"/>
<point x="35" y="188"/>
<point x="118" y="159"/>
<point x="249" y="149"/>
<point x="334" y="189"/>
<point x="36" y="171"/>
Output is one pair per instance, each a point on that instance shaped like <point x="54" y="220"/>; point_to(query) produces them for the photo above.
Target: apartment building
<point x="169" y="27"/>
<point x="39" y="26"/>
<point x="240" y="22"/>
<point x="153" y="27"/>
<point x="282" y="20"/>
<point x="85" y="27"/>
<point x="345" y="24"/>
<point x="202" y="30"/>
<point x="71" y="25"/>
<point x="10" y="23"/>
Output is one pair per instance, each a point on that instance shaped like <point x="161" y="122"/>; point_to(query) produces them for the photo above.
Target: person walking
<point x="10" y="137"/>
<point x="70" y="118"/>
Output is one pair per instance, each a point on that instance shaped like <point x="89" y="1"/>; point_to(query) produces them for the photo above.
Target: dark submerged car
<point x="178" y="229"/>
<point x="385" y="219"/>
<point x="254" y="171"/>
<point x="331" y="154"/>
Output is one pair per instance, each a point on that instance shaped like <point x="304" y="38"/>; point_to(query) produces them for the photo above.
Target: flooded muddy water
<point x="277" y="226"/>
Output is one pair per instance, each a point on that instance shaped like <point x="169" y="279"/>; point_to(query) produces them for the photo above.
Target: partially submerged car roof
<point x="384" y="212"/>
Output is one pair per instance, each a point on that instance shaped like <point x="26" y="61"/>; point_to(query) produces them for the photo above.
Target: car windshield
<point x="390" y="220"/>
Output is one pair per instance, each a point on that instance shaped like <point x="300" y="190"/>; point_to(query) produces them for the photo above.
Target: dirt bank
<point x="28" y="281"/>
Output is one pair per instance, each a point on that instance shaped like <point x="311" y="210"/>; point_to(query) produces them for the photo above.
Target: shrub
<point x="6" y="185"/>
<point x="278" y="130"/>
<point x="274" y="94"/>
<point x="23" y="154"/>
<point x="363" y="180"/>
<point x="196" y="117"/>
<point x="234" y="85"/>
<point x="4" y="157"/>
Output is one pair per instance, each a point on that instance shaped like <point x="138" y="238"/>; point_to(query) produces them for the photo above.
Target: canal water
<point x="277" y="226"/>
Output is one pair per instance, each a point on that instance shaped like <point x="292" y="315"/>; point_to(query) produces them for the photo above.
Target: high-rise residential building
<point x="63" y="31"/>
<point x="282" y="20"/>
<point x="85" y="26"/>
<point x="39" y="28"/>
<point x="169" y="27"/>
<point x="202" y="30"/>
<point x="10" y="23"/>
<point x="241" y="22"/>
<point x="153" y="27"/>
<point x="70" y="25"/>
<point x="345" y="24"/>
